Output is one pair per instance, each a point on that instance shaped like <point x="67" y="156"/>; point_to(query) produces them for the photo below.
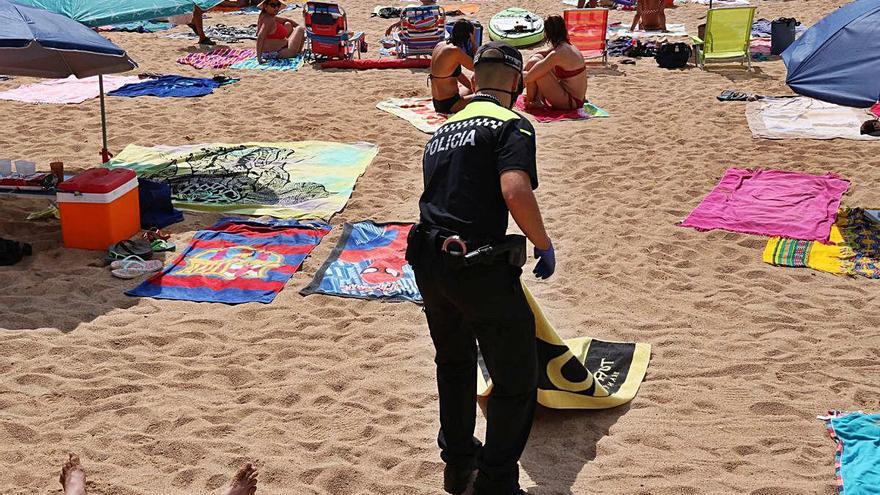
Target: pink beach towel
<point x="771" y="203"/>
<point x="70" y="90"/>
<point x="875" y="110"/>
<point x="220" y="58"/>
<point x="588" y="111"/>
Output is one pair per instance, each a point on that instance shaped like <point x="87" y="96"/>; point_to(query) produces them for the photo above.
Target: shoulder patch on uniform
<point x="483" y="109"/>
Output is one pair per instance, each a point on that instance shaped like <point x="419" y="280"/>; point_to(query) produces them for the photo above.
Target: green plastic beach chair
<point x="728" y="32"/>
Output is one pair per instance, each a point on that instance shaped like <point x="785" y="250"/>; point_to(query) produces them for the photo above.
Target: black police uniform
<point x="483" y="302"/>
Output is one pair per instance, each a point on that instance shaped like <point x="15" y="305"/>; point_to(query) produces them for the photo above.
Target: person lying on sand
<point x="650" y="16"/>
<point x="556" y="77"/>
<point x="396" y="25"/>
<point x="73" y="479"/>
<point x="277" y="37"/>
<point x="446" y="74"/>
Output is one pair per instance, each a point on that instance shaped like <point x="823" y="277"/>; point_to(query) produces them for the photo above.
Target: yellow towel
<point x="580" y="373"/>
<point x="833" y="257"/>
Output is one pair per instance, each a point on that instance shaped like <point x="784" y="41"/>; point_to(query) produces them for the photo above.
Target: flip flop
<point x="134" y="262"/>
<point x="132" y="268"/>
<point x="124" y="249"/>
<point x="162" y="246"/>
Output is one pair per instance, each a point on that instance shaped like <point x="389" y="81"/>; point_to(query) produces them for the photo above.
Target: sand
<point x="336" y="396"/>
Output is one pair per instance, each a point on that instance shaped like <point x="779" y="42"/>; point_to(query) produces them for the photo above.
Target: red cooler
<point x="99" y="208"/>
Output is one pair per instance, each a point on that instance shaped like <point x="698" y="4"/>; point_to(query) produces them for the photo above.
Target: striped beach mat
<point x="220" y="58"/>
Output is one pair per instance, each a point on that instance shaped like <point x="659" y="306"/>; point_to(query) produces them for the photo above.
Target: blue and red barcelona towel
<point x="236" y="261"/>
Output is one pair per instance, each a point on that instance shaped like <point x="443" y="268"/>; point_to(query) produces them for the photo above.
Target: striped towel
<point x="290" y="64"/>
<point x="220" y="58"/>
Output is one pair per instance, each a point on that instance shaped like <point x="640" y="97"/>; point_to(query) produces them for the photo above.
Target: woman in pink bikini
<point x="556" y="76"/>
<point x="277" y="37"/>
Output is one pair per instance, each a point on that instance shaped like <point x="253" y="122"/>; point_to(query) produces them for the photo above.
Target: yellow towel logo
<point x="231" y="263"/>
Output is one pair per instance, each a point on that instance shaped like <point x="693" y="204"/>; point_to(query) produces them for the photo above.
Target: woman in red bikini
<point x="556" y="76"/>
<point x="277" y="37"/>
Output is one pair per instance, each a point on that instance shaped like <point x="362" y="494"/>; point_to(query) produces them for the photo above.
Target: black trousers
<point x="481" y="304"/>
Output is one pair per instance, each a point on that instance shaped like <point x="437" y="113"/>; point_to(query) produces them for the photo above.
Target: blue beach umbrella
<point x="96" y="13"/>
<point x="37" y="43"/>
<point x="838" y="59"/>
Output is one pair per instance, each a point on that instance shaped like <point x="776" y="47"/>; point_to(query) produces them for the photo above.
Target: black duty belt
<point x="461" y="251"/>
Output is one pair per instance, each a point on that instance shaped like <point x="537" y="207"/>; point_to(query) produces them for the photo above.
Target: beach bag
<point x="673" y="55"/>
<point x="11" y="252"/>
<point x="157" y="212"/>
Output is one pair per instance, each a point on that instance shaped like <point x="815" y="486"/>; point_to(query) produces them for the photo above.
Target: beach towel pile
<point x="588" y="111"/>
<point x="236" y="261"/>
<point x="580" y="373"/>
<point x="417" y="111"/>
<point x="853" y="247"/>
<point x="221" y="33"/>
<point x="303" y="179"/>
<point x="857" y="456"/>
<point x="368" y="263"/>
<point x="70" y="90"/>
<point x="804" y="118"/>
<point x="173" y="87"/>
<point x="771" y="203"/>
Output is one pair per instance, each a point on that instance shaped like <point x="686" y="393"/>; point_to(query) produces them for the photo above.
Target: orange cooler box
<point x="99" y="208"/>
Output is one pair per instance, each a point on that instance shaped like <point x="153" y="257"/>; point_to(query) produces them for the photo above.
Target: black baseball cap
<point x="510" y="56"/>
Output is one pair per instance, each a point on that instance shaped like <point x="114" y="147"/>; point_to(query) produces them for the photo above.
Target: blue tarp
<point x="97" y="13"/>
<point x="838" y="59"/>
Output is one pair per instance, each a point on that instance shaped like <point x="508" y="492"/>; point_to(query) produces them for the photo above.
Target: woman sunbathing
<point x="446" y="74"/>
<point x="650" y="16"/>
<point x="277" y="37"/>
<point x="556" y="76"/>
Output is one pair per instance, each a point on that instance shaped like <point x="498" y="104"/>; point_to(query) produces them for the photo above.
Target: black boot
<point x="456" y="480"/>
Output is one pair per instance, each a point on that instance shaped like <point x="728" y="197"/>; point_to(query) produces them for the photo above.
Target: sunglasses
<point x="274" y="5"/>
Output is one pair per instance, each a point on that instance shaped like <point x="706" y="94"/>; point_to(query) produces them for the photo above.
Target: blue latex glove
<point x="546" y="262"/>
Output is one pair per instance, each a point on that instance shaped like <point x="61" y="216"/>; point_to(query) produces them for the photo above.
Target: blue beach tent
<point x="838" y="59"/>
<point x="96" y="13"/>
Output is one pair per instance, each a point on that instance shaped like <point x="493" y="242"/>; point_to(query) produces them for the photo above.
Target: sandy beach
<point x="337" y="396"/>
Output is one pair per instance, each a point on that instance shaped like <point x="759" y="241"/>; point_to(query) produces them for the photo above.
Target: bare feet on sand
<point x="244" y="482"/>
<point x="73" y="478"/>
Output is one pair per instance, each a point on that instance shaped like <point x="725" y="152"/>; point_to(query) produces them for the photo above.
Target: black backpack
<point x="673" y="55"/>
<point x="11" y="252"/>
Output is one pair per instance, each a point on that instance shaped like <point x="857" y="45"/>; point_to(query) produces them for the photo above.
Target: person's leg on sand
<point x="73" y="478"/>
<point x="198" y="26"/>
<point x="553" y="94"/>
<point x="244" y="482"/>
<point x="295" y="43"/>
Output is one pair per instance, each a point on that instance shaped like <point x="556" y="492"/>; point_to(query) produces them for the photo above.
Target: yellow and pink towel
<point x="417" y="111"/>
<point x="853" y="247"/>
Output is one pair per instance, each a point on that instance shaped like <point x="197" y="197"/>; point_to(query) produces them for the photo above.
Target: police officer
<point x="478" y="167"/>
